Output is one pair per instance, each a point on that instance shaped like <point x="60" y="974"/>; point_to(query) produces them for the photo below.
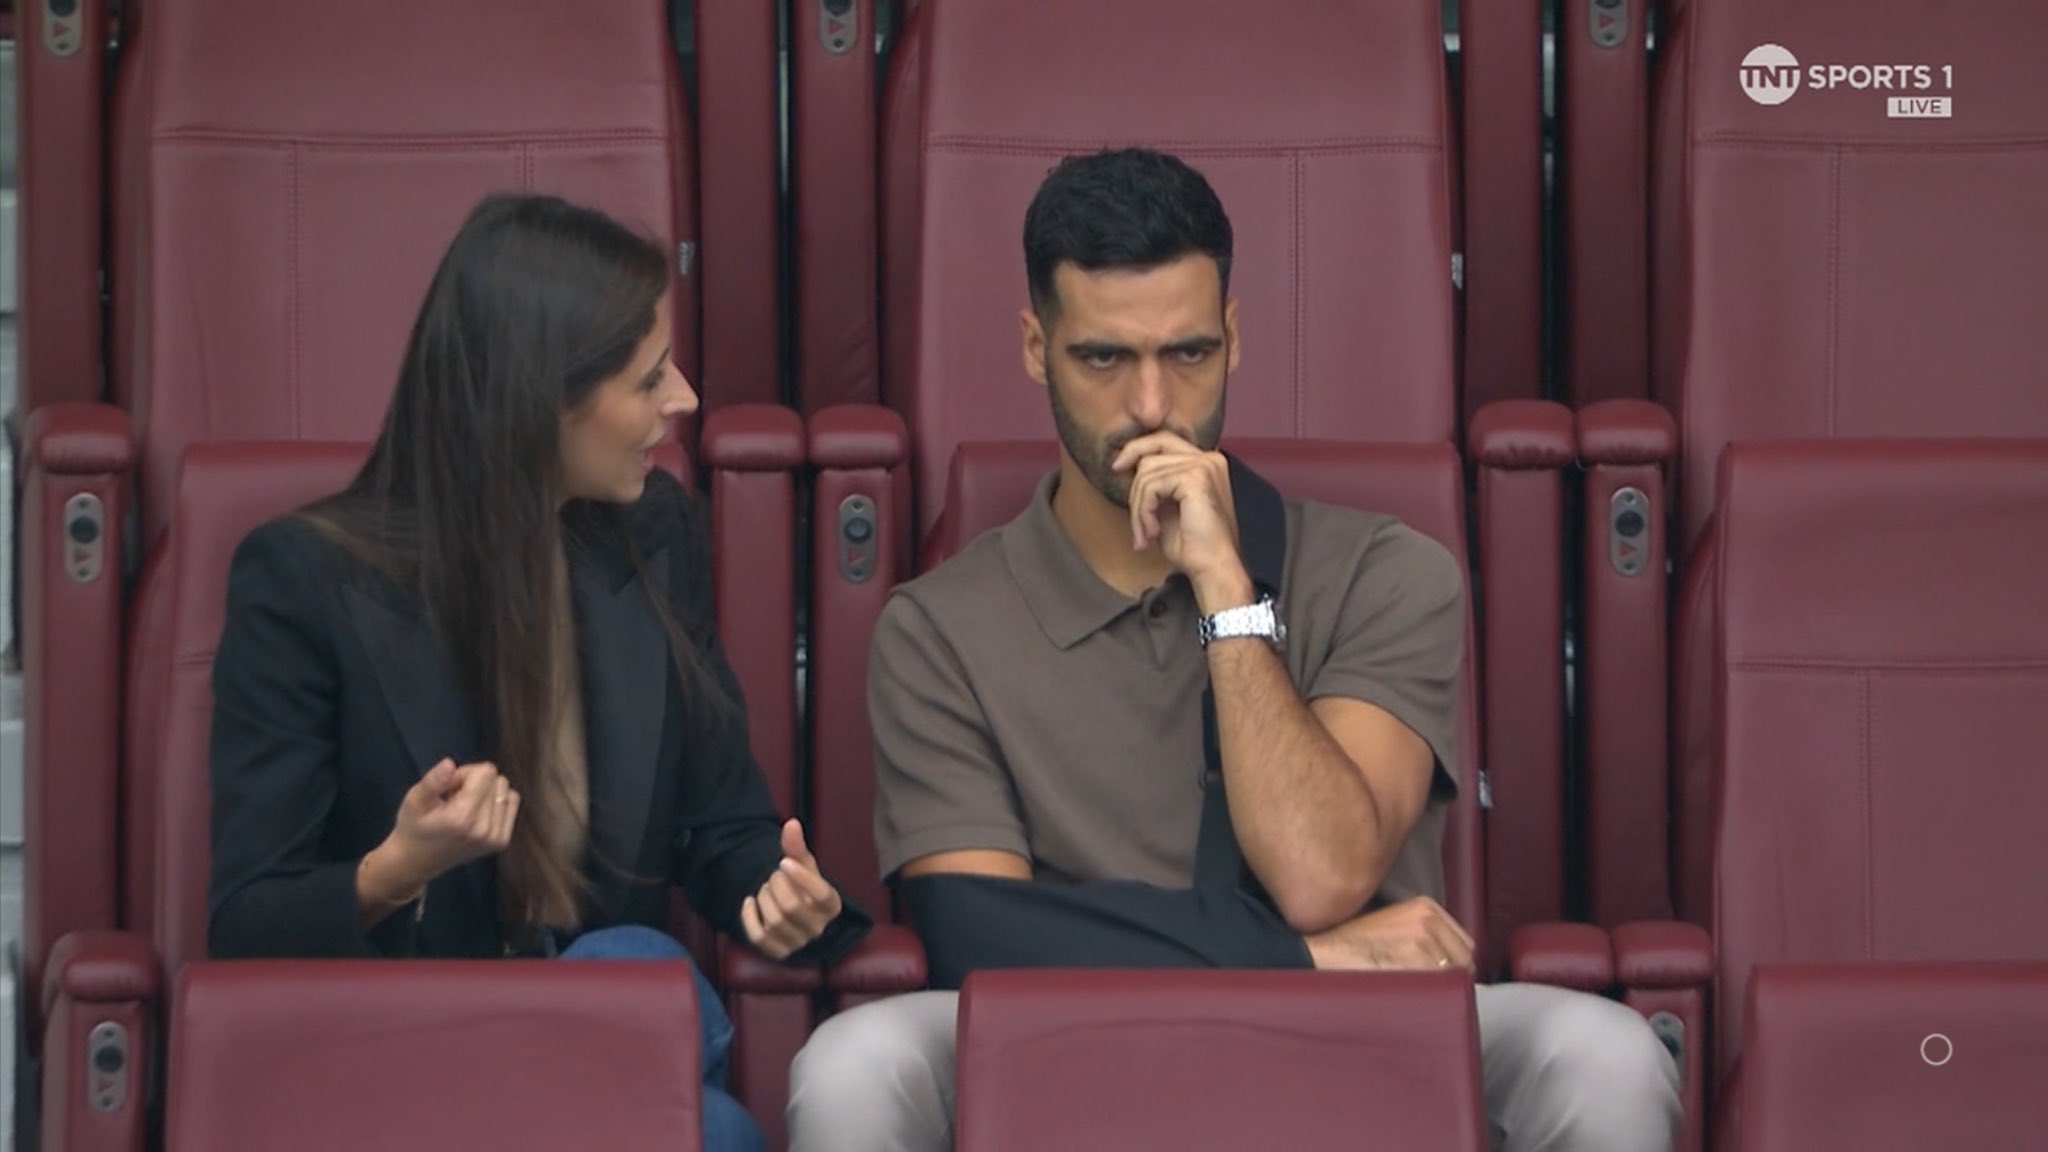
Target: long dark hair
<point x="535" y="303"/>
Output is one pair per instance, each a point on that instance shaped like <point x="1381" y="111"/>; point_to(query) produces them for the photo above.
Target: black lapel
<point x="1262" y="542"/>
<point x="624" y="658"/>
<point x="434" y="716"/>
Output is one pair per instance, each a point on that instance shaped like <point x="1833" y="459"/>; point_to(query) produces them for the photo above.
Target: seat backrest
<point x="1859" y="245"/>
<point x="1323" y="128"/>
<point x="288" y="175"/>
<point x="224" y="492"/>
<point x="1421" y="484"/>
<point x="1882" y="671"/>
<point x="368" y="1054"/>
<point x="1858" y="1055"/>
<point x="1060" y="1058"/>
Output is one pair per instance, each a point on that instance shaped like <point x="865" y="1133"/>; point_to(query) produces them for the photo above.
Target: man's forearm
<point x="1305" y="817"/>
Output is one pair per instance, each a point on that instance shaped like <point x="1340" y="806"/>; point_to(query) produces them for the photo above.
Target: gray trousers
<point x="1563" y="1071"/>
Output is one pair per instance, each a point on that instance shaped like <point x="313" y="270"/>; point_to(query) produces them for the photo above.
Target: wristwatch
<point x="1261" y="620"/>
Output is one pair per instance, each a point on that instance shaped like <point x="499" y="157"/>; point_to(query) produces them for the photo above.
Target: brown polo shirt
<point x="1021" y="704"/>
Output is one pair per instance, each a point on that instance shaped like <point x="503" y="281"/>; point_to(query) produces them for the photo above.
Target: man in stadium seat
<point x="1038" y="706"/>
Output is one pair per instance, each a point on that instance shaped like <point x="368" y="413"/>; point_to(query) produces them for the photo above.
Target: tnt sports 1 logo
<point x="1771" y="75"/>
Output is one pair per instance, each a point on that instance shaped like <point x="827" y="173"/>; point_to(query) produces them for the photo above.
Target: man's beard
<point x="1095" y="457"/>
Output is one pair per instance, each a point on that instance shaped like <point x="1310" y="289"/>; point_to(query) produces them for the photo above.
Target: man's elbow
<point x="1319" y="905"/>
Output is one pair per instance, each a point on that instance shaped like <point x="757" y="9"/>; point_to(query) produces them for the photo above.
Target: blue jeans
<point x="727" y="1126"/>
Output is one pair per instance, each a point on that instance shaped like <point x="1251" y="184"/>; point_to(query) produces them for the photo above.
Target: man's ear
<point x="1230" y="332"/>
<point x="1034" y="344"/>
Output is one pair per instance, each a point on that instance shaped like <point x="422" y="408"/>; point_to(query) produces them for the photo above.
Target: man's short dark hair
<point x="1126" y="208"/>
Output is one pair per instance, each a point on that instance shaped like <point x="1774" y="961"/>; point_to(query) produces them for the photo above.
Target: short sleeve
<point x="940" y="785"/>
<point x="1399" y="642"/>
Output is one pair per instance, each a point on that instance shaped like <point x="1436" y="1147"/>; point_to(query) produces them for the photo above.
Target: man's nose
<point x="1148" y="399"/>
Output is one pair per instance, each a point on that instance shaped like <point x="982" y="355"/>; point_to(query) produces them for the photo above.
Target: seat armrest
<point x="754" y="456"/>
<point x="99" y="1050"/>
<point x="1521" y="449"/>
<point x="1521" y="435"/>
<point x="744" y="971"/>
<point x="1576" y="956"/>
<point x="888" y="961"/>
<point x="753" y="438"/>
<point x="1624" y="447"/>
<point x="851" y="436"/>
<point x="860" y="549"/>
<point x="80" y="459"/>
<point x="1666" y="970"/>
<point x="1663" y="954"/>
<point x="101" y="968"/>
<point x="1622" y="433"/>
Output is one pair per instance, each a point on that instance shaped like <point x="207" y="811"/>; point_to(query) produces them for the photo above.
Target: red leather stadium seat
<point x="283" y="180"/>
<point x="1822" y="270"/>
<point x="432" y="1054"/>
<point x="1325" y="132"/>
<point x="102" y="978"/>
<point x="1083" y="1060"/>
<point x="276" y="217"/>
<point x="1894" y="1057"/>
<point x="225" y="492"/>
<point x="1881" y="665"/>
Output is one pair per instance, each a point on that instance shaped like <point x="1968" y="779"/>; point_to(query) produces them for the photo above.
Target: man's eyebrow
<point x="1097" y="349"/>
<point x="1194" y="344"/>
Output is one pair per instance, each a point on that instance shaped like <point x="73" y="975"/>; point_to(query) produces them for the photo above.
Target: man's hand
<point x="1180" y="499"/>
<point x="796" y="903"/>
<point x="1416" y="934"/>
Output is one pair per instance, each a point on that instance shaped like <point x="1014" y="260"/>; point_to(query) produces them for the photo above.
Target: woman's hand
<point x="796" y="903"/>
<point x="453" y="815"/>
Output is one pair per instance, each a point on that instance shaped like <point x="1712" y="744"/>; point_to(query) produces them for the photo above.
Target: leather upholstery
<point x="1821" y="269"/>
<point x="285" y="216"/>
<point x="1198" y="1059"/>
<point x="1849" y="273"/>
<point x="71" y="657"/>
<point x="737" y="219"/>
<point x="1894" y="1058"/>
<point x="275" y="220"/>
<point x="62" y="118"/>
<point x="1500" y="64"/>
<point x="833" y="115"/>
<point x="1325" y="134"/>
<point x="519" y="1054"/>
<point x="1881" y="669"/>
<point x="224" y="492"/>
<point x="1603" y="193"/>
<point x="1624" y="446"/>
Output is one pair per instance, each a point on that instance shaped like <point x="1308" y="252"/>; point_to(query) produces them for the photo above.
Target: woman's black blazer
<point x="332" y="697"/>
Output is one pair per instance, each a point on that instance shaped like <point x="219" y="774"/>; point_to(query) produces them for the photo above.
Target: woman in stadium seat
<point x="475" y="705"/>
